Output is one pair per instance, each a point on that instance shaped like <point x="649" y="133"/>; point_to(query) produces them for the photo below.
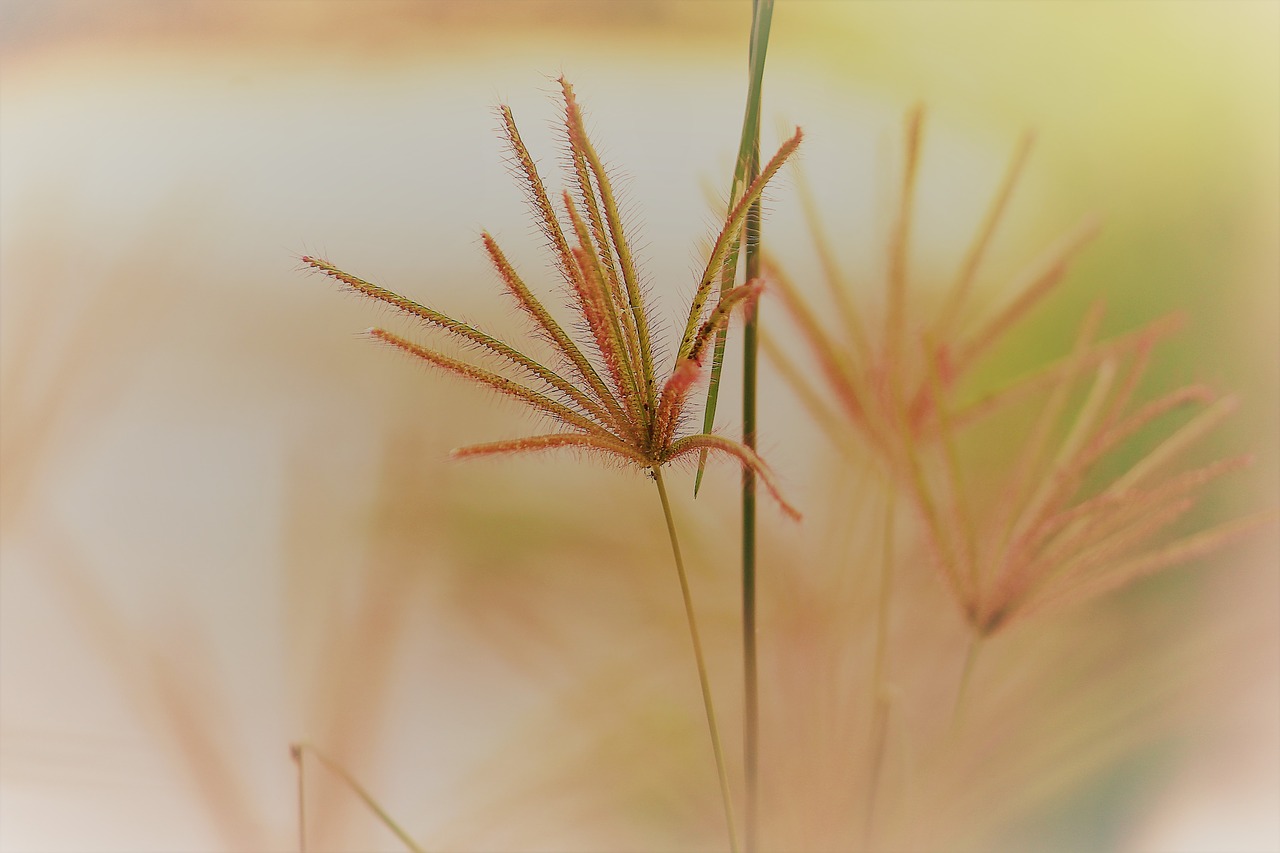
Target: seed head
<point x="604" y="392"/>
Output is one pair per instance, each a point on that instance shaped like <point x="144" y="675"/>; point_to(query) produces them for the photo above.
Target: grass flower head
<point x="605" y="392"/>
<point x="1054" y="535"/>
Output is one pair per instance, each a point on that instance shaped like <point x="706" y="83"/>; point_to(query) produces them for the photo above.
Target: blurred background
<point x="228" y="521"/>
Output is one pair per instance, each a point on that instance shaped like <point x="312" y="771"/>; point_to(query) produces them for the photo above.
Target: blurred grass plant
<point x="606" y="392"/>
<point x="1046" y="534"/>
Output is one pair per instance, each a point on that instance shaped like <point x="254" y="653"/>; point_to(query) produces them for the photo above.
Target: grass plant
<point x="900" y="719"/>
<point x="604" y="392"/>
<point x="1046" y="533"/>
<point x="1056" y="528"/>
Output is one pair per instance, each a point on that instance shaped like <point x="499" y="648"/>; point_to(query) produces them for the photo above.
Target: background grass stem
<point x="295" y="750"/>
<point x="966" y="675"/>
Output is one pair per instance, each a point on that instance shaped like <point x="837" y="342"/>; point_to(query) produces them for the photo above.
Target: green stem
<point x="761" y="19"/>
<point x="701" y="662"/>
<point x="751" y="699"/>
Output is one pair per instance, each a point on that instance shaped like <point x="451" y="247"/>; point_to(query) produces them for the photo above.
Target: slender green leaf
<point x="748" y="153"/>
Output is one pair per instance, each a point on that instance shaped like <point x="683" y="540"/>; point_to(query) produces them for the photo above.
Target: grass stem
<point x="701" y="662"/>
<point x="761" y="19"/>
<point x="879" y="737"/>
<point x="295" y="751"/>
<point x="880" y="698"/>
<point x="750" y="679"/>
<point x="367" y="798"/>
<point x="957" y="713"/>
<point x="746" y="169"/>
<point x="885" y="593"/>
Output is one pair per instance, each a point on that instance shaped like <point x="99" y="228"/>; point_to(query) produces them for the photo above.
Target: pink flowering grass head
<point x="603" y="388"/>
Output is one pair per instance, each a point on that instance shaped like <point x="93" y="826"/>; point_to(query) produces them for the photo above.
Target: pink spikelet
<point x="605" y="391"/>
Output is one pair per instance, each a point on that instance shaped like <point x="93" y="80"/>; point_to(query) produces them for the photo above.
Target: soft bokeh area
<point x="229" y="521"/>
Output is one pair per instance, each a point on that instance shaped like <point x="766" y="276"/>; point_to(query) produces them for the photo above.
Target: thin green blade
<point x="748" y="157"/>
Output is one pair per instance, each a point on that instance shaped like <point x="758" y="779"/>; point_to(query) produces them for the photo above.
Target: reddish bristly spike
<point x="563" y="343"/>
<point x="1061" y="551"/>
<point x="745" y="295"/>
<point x="591" y="303"/>
<point x="675" y="391"/>
<point x="554" y="441"/>
<point x="395" y="300"/>
<point x="587" y="195"/>
<point x="732" y="227"/>
<point x="596" y="243"/>
<point x="694" y="444"/>
<point x="1129" y="509"/>
<point x="613" y="226"/>
<point x="536" y="191"/>
<point x="498" y="383"/>
<point x="461" y="331"/>
<point x="1065" y="475"/>
<point x="623" y="362"/>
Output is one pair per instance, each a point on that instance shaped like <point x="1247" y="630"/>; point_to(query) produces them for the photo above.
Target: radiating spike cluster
<point x="888" y="379"/>
<point x="1040" y="539"/>
<point x="1056" y="544"/>
<point x="604" y="391"/>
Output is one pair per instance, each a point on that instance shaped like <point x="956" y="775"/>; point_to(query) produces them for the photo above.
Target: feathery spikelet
<point x="1044" y="544"/>
<point x="606" y="394"/>
<point x="891" y="395"/>
<point x="882" y="383"/>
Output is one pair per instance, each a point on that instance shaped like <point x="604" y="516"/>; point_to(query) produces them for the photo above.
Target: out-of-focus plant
<point x="1045" y="535"/>
<point x="606" y="392"/>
